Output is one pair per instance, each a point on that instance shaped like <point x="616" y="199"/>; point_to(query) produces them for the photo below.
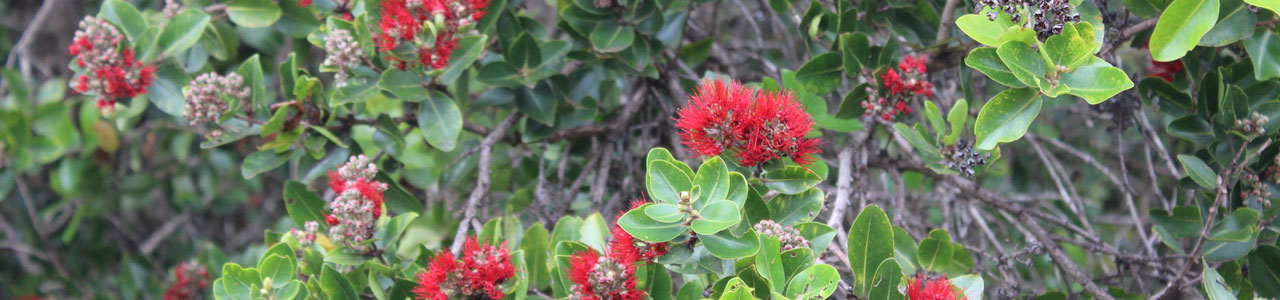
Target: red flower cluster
<point x="902" y="87"/>
<point x="1165" y="70"/>
<point x="355" y="211"/>
<point x="480" y="273"/>
<point x="111" y="74"/>
<point x="921" y="288"/>
<point x="190" y="281"/>
<point x="757" y="126"/>
<point x="430" y="27"/>
<point x="612" y="277"/>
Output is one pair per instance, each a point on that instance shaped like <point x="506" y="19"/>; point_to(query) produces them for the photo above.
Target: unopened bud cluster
<point x="207" y="95"/>
<point x="307" y="236"/>
<point x="344" y="54"/>
<point x="355" y="211"/>
<point x="110" y="71"/>
<point x="1048" y="17"/>
<point x="790" y="237"/>
<point x="962" y="158"/>
<point x="1253" y="125"/>
<point x="171" y="8"/>
<point x="1255" y="189"/>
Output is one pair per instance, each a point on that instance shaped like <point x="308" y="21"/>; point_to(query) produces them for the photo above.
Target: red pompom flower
<point x="478" y="275"/>
<point x="903" y="84"/>
<point x="109" y="71"/>
<point x="612" y="277"/>
<point x="755" y="126"/>
<point x="1165" y="70"/>
<point x="190" y="281"/>
<point x="430" y="29"/>
<point x="922" y="288"/>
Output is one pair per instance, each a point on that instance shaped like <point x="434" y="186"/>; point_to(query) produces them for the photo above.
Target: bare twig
<point x="482" y="180"/>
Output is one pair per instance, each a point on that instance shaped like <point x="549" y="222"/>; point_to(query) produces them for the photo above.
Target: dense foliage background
<point x="1047" y="149"/>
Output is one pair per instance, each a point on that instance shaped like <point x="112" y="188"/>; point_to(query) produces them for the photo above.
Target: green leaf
<point x="1234" y="237"/>
<point x="251" y="70"/>
<point x="816" y="282"/>
<point x="957" y="118"/>
<point x="336" y="286"/>
<point x="1180" y="28"/>
<point x="594" y="231"/>
<point x="884" y="285"/>
<point x="302" y="204"/>
<point x="796" y="209"/>
<point x="1199" y="171"/>
<point x="716" y="216"/>
<point x="1006" y="116"/>
<point x="469" y="48"/>
<point x="1068" y="48"/>
<point x="725" y="245"/>
<point x="738" y="188"/>
<point x="1235" y="22"/>
<point x="971" y="285"/>
<point x="182" y="32"/>
<point x="856" y="51"/>
<point x="818" y="234"/>
<point x="279" y="268"/>
<point x="1025" y="63"/>
<point x="524" y="53"/>
<point x="934" y="251"/>
<point x="666" y="182"/>
<point x="821" y="74"/>
<point x="261" y="161"/>
<point x="499" y="74"/>
<point x="125" y="16"/>
<point x="253" y="13"/>
<point x="276" y="122"/>
<point x="1264" y="50"/>
<point x="1096" y="83"/>
<point x="769" y="263"/>
<point x="934" y="115"/>
<point x="665" y="212"/>
<point x="791" y="180"/>
<point x="405" y="85"/>
<point x="870" y="243"/>
<point x="536" y="244"/>
<point x="712" y="180"/>
<point x="538" y="103"/>
<point x="440" y="121"/>
<point x="736" y="290"/>
<point x="1264" y="270"/>
<point x="1216" y="287"/>
<point x="636" y="223"/>
<point x="981" y="29"/>
<point x="1272" y="5"/>
<point x="609" y="37"/>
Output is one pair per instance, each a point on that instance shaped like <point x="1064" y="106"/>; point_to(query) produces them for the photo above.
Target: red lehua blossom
<point x="336" y="183"/>
<point x="921" y="288"/>
<point x="436" y="273"/>
<point x="774" y="126"/>
<point x="371" y="191"/>
<point x="333" y="221"/>
<point x="304" y="3"/>
<point x="479" y="274"/>
<point x="1165" y="70"/>
<point x="397" y="24"/>
<point x="707" y="124"/>
<point x="757" y="126"/>
<point x="190" y="280"/>
<point x="893" y="82"/>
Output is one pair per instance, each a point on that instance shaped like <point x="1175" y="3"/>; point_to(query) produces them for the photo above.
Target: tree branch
<point x="482" y="180"/>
